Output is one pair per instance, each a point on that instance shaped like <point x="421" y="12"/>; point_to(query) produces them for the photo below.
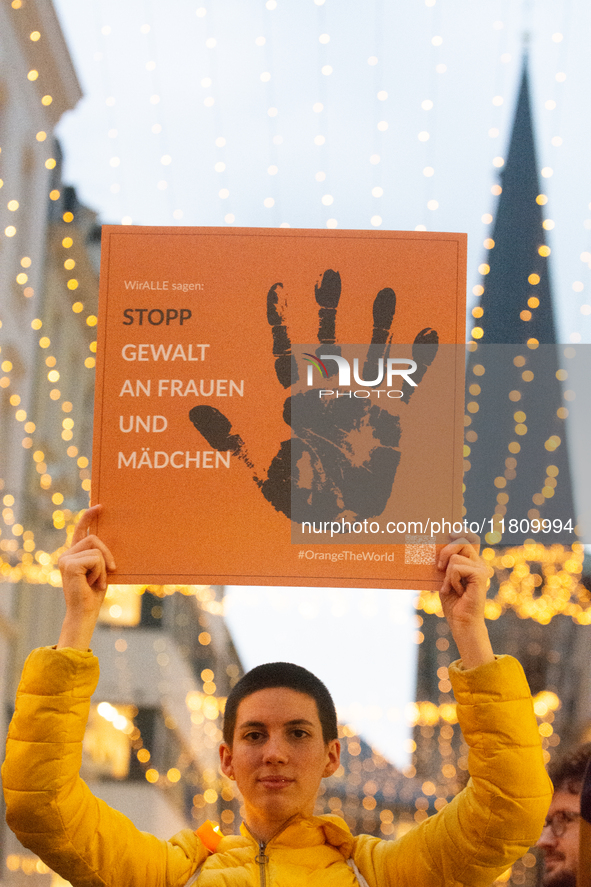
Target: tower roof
<point x="517" y="464"/>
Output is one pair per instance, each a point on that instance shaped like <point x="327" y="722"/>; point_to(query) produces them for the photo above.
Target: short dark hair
<point x="568" y="771"/>
<point x="282" y="674"/>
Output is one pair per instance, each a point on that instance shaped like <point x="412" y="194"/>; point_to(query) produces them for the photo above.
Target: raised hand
<point x="342" y="456"/>
<point x="84" y="567"/>
<point x="463" y="598"/>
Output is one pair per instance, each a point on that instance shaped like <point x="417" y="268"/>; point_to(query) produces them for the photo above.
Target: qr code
<point x="419" y="550"/>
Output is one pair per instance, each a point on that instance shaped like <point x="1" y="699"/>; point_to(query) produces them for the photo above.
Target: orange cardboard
<point x="198" y="328"/>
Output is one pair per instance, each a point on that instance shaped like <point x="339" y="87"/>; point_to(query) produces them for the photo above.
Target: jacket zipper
<point x="262" y="859"/>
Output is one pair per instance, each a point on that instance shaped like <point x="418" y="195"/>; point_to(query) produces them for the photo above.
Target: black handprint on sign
<point x="342" y="457"/>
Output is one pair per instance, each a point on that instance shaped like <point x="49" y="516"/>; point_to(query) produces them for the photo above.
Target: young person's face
<point x="561" y="855"/>
<point x="278" y="757"/>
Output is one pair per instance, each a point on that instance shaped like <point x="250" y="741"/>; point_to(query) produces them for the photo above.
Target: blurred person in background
<point x="561" y="835"/>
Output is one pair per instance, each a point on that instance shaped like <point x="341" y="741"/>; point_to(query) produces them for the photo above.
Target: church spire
<point x="517" y="301"/>
<point x="516" y="457"/>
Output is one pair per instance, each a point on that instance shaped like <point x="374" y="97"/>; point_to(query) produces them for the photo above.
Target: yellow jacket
<point x="473" y="839"/>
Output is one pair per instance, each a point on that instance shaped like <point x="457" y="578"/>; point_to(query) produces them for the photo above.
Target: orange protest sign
<point x="278" y="406"/>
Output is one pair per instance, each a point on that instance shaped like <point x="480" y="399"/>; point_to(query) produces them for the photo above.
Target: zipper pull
<point x="262" y="859"/>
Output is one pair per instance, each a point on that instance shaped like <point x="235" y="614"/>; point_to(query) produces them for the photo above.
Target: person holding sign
<point x="280" y="741"/>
